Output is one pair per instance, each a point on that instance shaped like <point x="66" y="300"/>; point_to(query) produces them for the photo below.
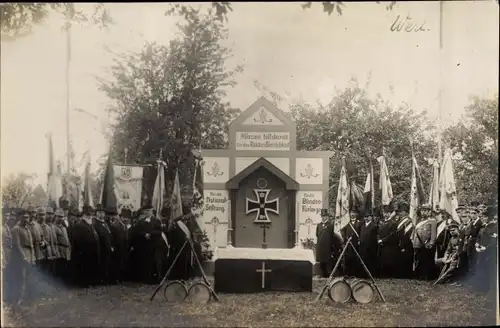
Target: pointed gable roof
<point x="271" y="110"/>
<point x="234" y="182"/>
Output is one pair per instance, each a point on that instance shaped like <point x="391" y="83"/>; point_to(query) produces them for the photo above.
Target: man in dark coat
<point x="405" y="246"/>
<point x="368" y="245"/>
<point x="148" y="246"/>
<point x="119" y="245"/>
<point x="388" y="243"/>
<point x="486" y="247"/>
<point x="474" y="228"/>
<point x="106" y="248"/>
<point x="327" y="244"/>
<point x="352" y="267"/>
<point x="185" y="267"/>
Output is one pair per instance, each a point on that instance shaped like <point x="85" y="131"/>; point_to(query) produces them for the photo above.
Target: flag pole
<point x="440" y="105"/>
<point x="67" y="78"/>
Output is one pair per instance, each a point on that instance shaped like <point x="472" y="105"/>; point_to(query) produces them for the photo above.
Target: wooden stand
<point x="190" y="242"/>
<point x="331" y="277"/>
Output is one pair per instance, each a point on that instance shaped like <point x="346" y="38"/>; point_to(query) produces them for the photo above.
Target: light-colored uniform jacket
<point x="425" y="233"/>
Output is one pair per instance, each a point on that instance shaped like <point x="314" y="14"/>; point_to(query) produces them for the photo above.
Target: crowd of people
<point x="60" y="248"/>
<point x="435" y="247"/>
<point x="101" y="246"/>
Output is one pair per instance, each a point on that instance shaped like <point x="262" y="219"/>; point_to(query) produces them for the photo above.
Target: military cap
<point x="482" y="208"/>
<point x="472" y="209"/>
<point x="367" y="213"/>
<point x="126" y="213"/>
<point x="31" y="209"/>
<point x="64" y="204"/>
<point x="99" y="208"/>
<point x="145" y="209"/>
<point x="41" y="211"/>
<point x="49" y="210"/>
<point x="386" y="208"/>
<point x="474" y="204"/>
<point x="111" y="211"/>
<point x="403" y="207"/>
<point x="426" y="207"/>
<point x="453" y="225"/>
<point x="59" y="212"/>
<point x="87" y="210"/>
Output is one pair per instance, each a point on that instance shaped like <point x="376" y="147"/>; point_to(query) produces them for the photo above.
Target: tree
<point x="223" y="8"/>
<point x="170" y="98"/>
<point x="38" y="197"/>
<point x="18" y="19"/>
<point x="358" y="127"/>
<point x="16" y="188"/>
<point x="474" y="141"/>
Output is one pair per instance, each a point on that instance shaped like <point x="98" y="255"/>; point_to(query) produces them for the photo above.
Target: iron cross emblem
<point x="262" y="206"/>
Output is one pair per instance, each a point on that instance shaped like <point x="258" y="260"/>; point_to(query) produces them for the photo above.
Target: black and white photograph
<point x="249" y="164"/>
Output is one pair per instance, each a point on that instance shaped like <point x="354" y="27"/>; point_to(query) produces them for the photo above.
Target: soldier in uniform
<point x="51" y="237"/>
<point x="326" y="240"/>
<point x="424" y="240"/>
<point x="23" y="259"/>
<point x="450" y="261"/>
<point x="368" y="243"/>
<point x="64" y="246"/>
<point x="48" y="255"/>
<point x="388" y="243"/>
<point x="352" y="267"/>
<point x="38" y="238"/>
<point x="106" y="248"/>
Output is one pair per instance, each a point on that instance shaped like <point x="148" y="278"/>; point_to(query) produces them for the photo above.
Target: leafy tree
<point x="16" y="188"/>
<point x="38" y="197"/>
<point x="18" y="19"/>
<point x="474" y="140"/>
<point x="358" y="127"/>
<point x="223" y="8"/>
<point x="170" y="98"/>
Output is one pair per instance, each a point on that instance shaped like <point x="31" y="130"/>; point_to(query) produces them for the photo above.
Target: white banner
<point x="128" y="180"/>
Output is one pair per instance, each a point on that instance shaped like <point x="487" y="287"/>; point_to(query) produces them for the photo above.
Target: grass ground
<point x="409" y="303"/>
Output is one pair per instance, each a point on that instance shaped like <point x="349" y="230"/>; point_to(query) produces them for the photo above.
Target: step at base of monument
<point x="209" y="267"/>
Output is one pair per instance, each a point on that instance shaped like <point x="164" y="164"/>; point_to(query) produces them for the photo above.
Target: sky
<point x="305" y="54"/>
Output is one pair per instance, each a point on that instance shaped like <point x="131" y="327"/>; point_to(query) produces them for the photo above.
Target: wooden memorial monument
<point x="261" y="197"/>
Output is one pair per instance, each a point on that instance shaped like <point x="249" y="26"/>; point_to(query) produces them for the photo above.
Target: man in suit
<point x="106" y="248"/>
<point x="119" y="244"/>
<point x="388" y="243"/>
<point x="405" y="248"/>
<point x="472" y="233"/>
<point x="86" y="250"/>
<point x="368" y="244"/>
<point x="424" y="240"/>
<point x="352" y="267"/>
<point x="486" y="248"/>
<point x="327" y="241"/>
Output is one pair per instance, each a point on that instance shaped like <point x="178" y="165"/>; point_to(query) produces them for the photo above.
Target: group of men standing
<point x="96" y="247"/>
<point x="391" y="245"/>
